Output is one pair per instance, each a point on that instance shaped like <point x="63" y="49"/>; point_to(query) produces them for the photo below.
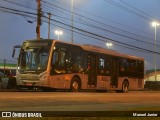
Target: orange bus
<point x="59" y="65"/>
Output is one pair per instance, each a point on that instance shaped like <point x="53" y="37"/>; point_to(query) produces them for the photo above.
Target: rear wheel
<point x="125" y="86"/>
<point x="75" y="85"/>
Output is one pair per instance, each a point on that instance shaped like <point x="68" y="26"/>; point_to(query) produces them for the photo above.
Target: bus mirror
<point x="14" y="50"/>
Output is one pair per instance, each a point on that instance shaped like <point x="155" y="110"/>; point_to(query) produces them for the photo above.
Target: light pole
<point x="72" y="20"/>
<point x="155" y="24"/>
<point x="49" y="19"/>
<point x="109" y="45"/>
<point x="58" y="33"/>
<point x="39" y="15"/>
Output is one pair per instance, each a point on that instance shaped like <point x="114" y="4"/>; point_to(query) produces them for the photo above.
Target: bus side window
<point x="76" y="59"/>
<point x="58" y="61"/>
<point x="107" y="66"/>
<point x="68" y="62"/>
<point x="104" y="66"/>
<point x="125" y="65"/>
<point x="55" y="58"/>
<point x="101" y="66"/>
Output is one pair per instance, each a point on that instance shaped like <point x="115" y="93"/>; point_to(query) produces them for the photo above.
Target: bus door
<point x="114" y="73"/>
<point x="58" y="69"/>
<point x="92" y="71"/>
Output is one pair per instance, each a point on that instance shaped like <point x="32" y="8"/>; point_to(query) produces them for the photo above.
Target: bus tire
<point x="75" y="85"/>
<point x="125" y="86"/>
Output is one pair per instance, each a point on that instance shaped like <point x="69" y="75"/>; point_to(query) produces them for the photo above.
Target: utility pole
<point x="155" y="25"/>
<point x="155" y="55"/>
<point x="38" y="19"/>
<point x="49" y="18"/>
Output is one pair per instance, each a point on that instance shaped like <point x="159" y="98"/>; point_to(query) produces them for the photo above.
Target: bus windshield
<point x="33" y="58"/>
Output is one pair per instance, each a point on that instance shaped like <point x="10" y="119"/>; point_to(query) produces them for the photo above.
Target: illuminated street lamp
<point x="109" y="45"/>
<point x="58" y="33"/>
<point x="155" y="24"/>
<point x="72" y="4"/>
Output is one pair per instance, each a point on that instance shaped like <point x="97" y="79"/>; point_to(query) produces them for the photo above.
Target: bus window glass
<point x="104" y="66"/>
<point x="68" y="62"/>
<point x="131" y="67"/>
<point x="125" y="65"/>
<point x="76" y="58"/>
<point x="101" y="65"/>
<point x="107" y="66"/>
<point x="33" y="59"/>
<point x="67" y="59"/>
<point x="140" y="66"/>
<point x="58" y="60"/>
<point x="85" y="62"/>
<point x="61" y="57"/>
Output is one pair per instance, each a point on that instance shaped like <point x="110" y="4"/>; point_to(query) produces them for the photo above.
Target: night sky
<point x="122" y="22"/>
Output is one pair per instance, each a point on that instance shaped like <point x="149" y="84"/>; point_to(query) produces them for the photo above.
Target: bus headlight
<point x="43" y="76"/>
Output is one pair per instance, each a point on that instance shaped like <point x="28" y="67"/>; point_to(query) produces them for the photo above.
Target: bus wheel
<point x="75" y="85"/>
<point x="125" y="86"/>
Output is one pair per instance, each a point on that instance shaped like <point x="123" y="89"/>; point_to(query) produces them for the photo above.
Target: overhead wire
<point x="140" y="11"/>
<point x="104" y="28"/>
<point x="87" y="33"/>
<point x="16" y="13"/>
<point x="103" y="38"/>
<point x="106" y="19"/>
<point x="22" y="3"/>
<point x="102" y="24"/>
<point x="128" y="10"/>
<point x="125" y="35"/>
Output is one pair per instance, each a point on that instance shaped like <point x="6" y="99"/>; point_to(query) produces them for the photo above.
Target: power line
<point x="105" y="25"/>
<point x="138" y="10"/>
<point x="19" y="3"/>
<point x="16" y="13"/>
<point x="106" y="19"/>
<point x="122" y="35"/>
<point x="84" y="32"/>
<point x="21" y="11"/>
<point x="139" y="14"/>
<point x="105" y="28"/>
<point x="89" y="34"/>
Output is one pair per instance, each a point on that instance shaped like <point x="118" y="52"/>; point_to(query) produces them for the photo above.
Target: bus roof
<point x="110" y="52"/>
<point x="97" y="49"/>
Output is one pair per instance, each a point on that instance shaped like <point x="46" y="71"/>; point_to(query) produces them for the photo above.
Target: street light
<point x="58" y="33"/>
<point x="155" y="24"/>
<point x="109" y="45"/>
<point x="72" y="20"/>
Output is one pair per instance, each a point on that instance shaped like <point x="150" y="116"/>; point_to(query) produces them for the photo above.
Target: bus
<point x="55" y="64"/>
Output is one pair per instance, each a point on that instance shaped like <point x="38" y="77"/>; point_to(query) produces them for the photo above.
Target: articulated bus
<point x="59" y="65"/>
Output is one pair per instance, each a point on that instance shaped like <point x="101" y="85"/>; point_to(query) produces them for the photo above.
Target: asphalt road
<point x="79" y="101"/>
